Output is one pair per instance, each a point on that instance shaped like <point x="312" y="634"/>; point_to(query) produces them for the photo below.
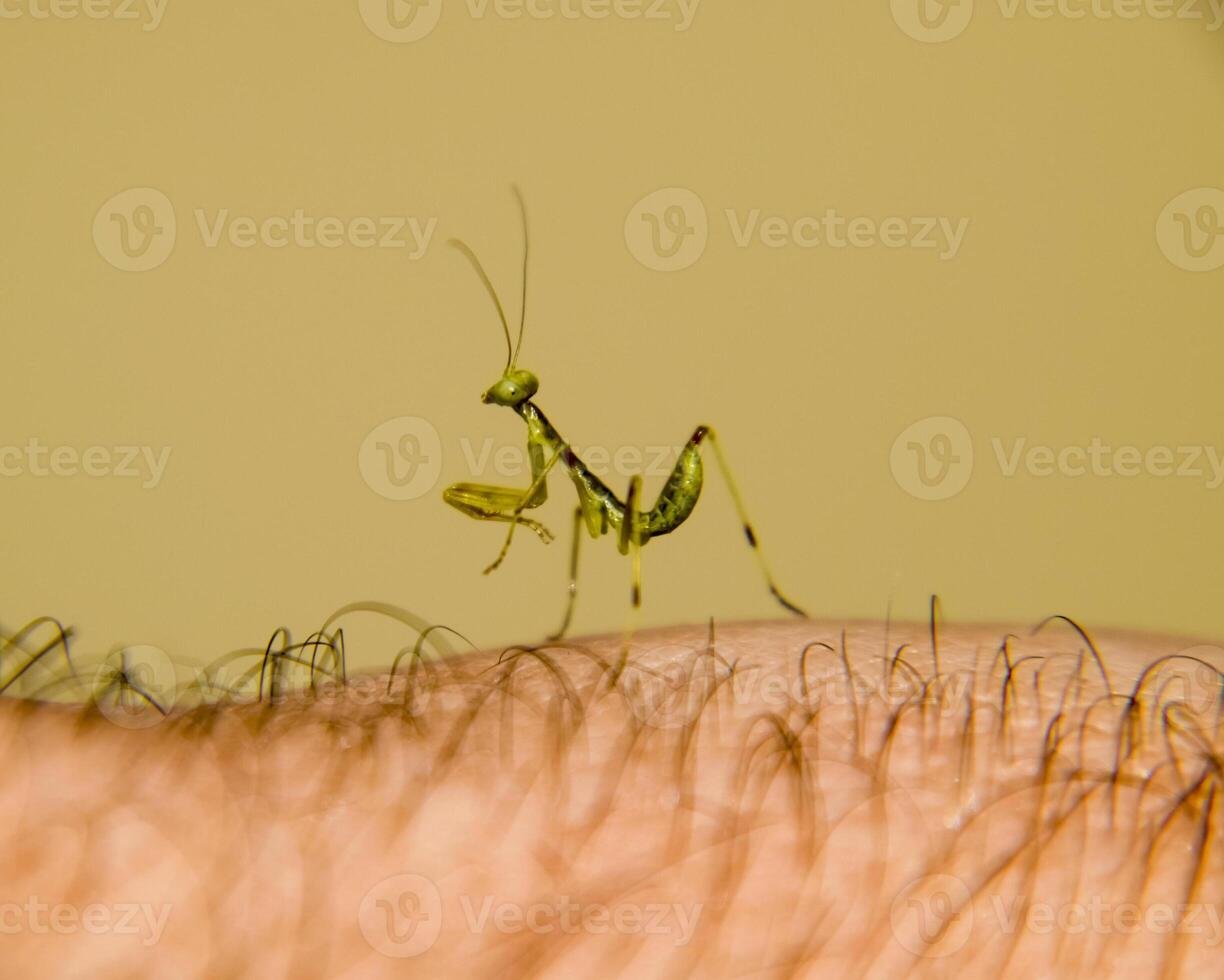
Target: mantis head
<point x="516" y="384"/>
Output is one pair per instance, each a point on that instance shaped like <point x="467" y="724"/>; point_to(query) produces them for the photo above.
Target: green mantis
<point x="599" y="509"/>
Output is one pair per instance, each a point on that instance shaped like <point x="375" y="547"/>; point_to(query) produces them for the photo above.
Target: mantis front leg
<point x="536" y="494"/>
<point x="486" y="502"/>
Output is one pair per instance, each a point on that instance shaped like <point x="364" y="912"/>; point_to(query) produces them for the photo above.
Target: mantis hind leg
<point x="631" y="543"/>
<point x="702" y="433"/>
<point x="631" y="538"/>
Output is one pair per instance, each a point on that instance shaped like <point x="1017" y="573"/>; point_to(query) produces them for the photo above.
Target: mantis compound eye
<point x="524" y="383"/>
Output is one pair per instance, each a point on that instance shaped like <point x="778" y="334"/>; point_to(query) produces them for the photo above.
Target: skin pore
<point x="773" y="799"/>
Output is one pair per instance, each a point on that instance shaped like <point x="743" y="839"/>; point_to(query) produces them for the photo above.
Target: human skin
<point x="985" y="801"/>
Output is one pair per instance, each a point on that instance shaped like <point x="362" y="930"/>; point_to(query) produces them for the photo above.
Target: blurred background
<point x="946" y="279"/>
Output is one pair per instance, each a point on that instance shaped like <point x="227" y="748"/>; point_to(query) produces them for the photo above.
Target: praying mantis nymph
<point x="598" y="507"/>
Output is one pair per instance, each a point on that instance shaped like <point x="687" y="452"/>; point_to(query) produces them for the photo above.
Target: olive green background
<point x="1059" y="320"/>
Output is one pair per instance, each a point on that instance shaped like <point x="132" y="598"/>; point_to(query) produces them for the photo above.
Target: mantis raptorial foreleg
<point x="535" y="495"/>
<point x="485" y="502"/>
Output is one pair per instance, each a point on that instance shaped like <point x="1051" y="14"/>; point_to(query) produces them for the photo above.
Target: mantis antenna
<point x="484" y="277"/>
<point x="523" y="314"/>
<point x="512" y="352"/>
